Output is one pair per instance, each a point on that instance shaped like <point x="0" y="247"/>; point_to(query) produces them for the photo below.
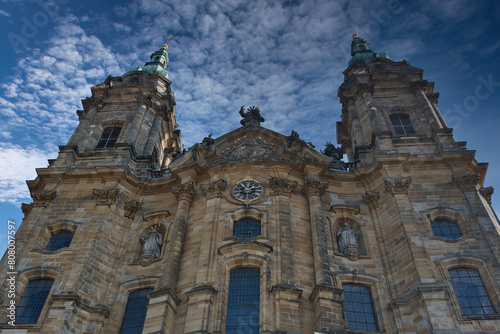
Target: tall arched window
<point x="402" y="124"/>
<point x="359" y="307"/>
<point x="246" y="228"/>
<point x="135" y="312"/>
<point x="243" y="301"/>
<point x="59" y="240"/>
<point x="32" y="301"/>
<point x="470" y="290"/>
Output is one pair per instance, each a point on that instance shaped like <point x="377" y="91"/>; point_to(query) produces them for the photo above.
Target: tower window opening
<point x="446" y="229"/>
<point x="246" y="228"/>
<point x="32" y="301"/>
<point x="108" y="137"/>
<point x="359" y="308"/>
<point x="243" y="303"/>
<point x="59" y="240"/>
<point x="470" y="290"/>
<point x="402" y="124"/>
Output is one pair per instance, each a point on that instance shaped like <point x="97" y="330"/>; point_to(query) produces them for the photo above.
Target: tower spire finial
<point x="165" y="46"/>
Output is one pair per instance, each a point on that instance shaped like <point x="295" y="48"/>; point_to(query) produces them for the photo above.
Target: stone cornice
<point x="314" y="187"/>
<point x="417" y="85"/>
<point x="282" y="186"/>
<point x="214" y="189"/>
<point x="466" y="182"/>
<point x="105" y="196"/>
<point x="184" y="191"/>
<point x="26" y="208"/>
<point x="43" y="197"/>
<point x="93" y="102"/>
<point x="398" y="185"/>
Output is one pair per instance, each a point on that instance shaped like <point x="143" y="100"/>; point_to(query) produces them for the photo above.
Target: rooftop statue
<point x="251" y="117"/>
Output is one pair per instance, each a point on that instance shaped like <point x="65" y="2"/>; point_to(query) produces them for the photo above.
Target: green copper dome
<point x="361" y="53"/>
<point x="157" y="64"/>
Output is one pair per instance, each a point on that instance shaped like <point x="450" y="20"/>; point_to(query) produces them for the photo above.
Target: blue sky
<point x="285" y="56"/>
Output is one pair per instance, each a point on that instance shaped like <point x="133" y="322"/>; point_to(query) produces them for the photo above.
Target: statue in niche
<point x="347" y="239"/>
<point x="251" y="117"/>
<point x="152" y="243"/>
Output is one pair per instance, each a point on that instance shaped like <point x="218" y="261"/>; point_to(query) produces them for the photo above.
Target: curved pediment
<point x="251" y="143"/>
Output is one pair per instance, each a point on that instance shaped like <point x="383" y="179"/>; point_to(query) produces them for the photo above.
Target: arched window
<point x="135" y="312"/>
<point x="243" y="301"/>
<point x="32" y="301"/>
<point x="446" y="229"/>
<point x="402" y="124"/>
<point x="359" y="307"/>
<point x="59" y="240"/>
<point x="108" y="137"/>
<point x="246" y="228"/>
<point x="470" y="290"/>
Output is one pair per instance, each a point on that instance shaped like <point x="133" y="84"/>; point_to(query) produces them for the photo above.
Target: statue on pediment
<point x="251" y="117"/>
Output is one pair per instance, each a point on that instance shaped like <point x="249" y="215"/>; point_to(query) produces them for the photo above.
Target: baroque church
<point x="256" y="231"/>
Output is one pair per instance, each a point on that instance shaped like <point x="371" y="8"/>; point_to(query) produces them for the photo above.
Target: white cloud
<point x="18" y="165"/>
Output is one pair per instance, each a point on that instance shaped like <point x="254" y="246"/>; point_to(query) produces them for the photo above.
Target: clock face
<point x="247" y="191"/>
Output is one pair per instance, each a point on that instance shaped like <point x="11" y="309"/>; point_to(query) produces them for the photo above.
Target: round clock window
<point x="247" y="190"/>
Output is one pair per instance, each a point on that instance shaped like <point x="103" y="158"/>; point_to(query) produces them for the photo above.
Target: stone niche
<point x="151" y="238"/>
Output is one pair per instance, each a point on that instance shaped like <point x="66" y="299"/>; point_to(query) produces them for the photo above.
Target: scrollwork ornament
<point x="398" y="185"/>
<point x="131" y="208"/>
<point x="371" y="197"/>
<point x="466" y="182"/>
<point x="105" y="196"/>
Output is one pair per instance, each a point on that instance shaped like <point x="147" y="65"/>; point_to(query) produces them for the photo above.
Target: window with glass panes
<point x="135" y="312"/>
<point x="243" y="301"/>
<point x="472" y="294"/>
<point x="59" y="240"/>
<point x="446" y="229"/>
<point x="246" y="228"/>
<point x="402" y="124"/>
<point x="108" y="137"/>
<point x="359" y="307"/>
<point x="32" y="301"/>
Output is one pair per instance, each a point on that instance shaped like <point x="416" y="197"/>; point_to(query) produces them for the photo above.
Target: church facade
<point x="256" y="231"/>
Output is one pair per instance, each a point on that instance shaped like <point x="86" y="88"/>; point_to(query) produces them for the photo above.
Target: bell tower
<point x="387" y="107"/>
<point x="128" y="120"/>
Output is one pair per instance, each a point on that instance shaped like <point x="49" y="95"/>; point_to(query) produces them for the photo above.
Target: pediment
<point x="251" y="143"/>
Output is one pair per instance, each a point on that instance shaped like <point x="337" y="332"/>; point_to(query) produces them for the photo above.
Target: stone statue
<point x="332" y="151"/>
<point x="348" y="241"/>
<point x="251" y="117"/>
<point x="151" y="244"/>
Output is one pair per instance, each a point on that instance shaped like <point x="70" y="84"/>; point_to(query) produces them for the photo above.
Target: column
<point x="326" y="298"/>
<point x="429" y="111"/>
<point x="153" y="135"/>
<point x="163" y="303"/>
<point x="359" y="138"/>
<point x="135" y="126"/>
<point x="82" y="129"/>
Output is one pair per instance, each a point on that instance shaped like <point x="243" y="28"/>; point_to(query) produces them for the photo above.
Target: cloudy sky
<point x="285" y="56"/>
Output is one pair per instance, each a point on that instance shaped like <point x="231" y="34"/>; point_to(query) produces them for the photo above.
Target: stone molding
<point x="313" y="187"/>
<point x="156" y="217"/>
<point x="466" y="182"/>
<point x="282" y="186"/>
<point x="487" y="192"/>
<point x="131" y="208"/>
<point x="214" y="189"/>
<point x="43" y="197"/>
<point x="105" y="196"/>
<point x="184" y="191"/>
<point x="371" y="198"/>
<point x="398" y="185"/>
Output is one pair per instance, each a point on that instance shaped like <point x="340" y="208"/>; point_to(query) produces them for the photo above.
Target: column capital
<point x="214" y="189"/>
<point x="43" y="197"/>
<point x="466" y="182"/>
<point x="184" y="191"/>
<point x="313" y="187"/>
<point x="282" y="186"/>
<point x="486" y="193"/>
<point x="371" y="198"/>
<point x="398" y="185"/>
<point x="417" y="85"/>
<point x="131" y="208"/>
